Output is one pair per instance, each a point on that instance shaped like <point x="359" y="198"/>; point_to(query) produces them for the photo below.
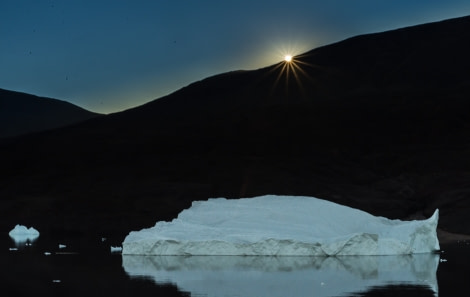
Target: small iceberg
<point x="116" y="249"/>
<point x="23" y="235"/>
<point x="282" y="226"/>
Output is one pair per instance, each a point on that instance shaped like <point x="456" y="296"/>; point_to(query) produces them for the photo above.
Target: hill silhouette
<point x="377" y="122"/>
<point x="22" y="113"/>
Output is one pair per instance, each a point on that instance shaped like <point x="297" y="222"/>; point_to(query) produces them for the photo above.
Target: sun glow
<point x="291" y="75"/>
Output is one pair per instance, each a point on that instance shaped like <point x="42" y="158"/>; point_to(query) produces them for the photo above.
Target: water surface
<point x="86" y="267"/>
<point x="285" y="276"/>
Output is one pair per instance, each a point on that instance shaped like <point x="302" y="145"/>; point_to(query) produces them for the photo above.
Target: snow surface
<point x="282" y="226"/>
<point x="21" y="234"/>
<point x="215" y="276"/>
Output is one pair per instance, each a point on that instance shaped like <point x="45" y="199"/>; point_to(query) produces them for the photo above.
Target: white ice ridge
<point x="282" y="226"/>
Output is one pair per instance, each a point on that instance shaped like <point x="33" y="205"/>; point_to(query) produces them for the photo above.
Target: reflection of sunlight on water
<point x="284" y="276"/>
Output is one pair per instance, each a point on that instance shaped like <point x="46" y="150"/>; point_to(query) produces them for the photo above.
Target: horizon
<point x="132" y="57"/>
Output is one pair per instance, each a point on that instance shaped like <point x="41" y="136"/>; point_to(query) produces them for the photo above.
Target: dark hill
<point x="22" y="113"/>
<point x="378" y="121"/>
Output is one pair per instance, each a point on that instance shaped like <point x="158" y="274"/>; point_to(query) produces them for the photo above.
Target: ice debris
<point x="116" y="249"/>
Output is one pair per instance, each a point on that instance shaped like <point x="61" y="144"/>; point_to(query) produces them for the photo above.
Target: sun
<point x="291" y="74"/>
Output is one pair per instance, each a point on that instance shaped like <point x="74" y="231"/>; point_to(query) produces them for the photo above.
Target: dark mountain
<point x="22" y="113"/>
<point x="378" y="122"/>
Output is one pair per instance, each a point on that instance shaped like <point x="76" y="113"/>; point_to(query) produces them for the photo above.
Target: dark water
<point x="89" y="268"/>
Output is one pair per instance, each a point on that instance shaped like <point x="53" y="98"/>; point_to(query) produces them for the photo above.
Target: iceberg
<point x="116" y="249"/>
<point x="23" y="235"/>
<point x="274" y="225"/>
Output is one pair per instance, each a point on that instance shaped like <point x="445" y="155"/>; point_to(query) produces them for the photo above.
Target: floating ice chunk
<point x="282" y="226"/>
<point x="23" y="235"/>
<point x="116" y="249"/>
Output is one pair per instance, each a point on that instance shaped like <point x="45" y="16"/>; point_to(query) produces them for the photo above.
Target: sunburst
<point x="291" y="66"/>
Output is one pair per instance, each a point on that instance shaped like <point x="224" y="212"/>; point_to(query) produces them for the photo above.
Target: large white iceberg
<point x="282" y="226"/>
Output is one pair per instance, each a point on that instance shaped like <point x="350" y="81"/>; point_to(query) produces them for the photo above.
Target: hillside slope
<point x="378" y="122"/>
<point x="22" y="113"/>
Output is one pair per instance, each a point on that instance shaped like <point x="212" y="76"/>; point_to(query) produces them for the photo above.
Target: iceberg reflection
<point x="284" y="276"/>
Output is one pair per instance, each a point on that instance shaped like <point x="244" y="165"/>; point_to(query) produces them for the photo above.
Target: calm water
<point x="88" y="268"/>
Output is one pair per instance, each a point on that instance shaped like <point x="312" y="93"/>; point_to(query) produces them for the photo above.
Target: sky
<point x="110" y="55"/>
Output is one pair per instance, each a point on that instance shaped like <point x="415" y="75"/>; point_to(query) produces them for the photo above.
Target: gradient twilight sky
<point x="110" y="55"/>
